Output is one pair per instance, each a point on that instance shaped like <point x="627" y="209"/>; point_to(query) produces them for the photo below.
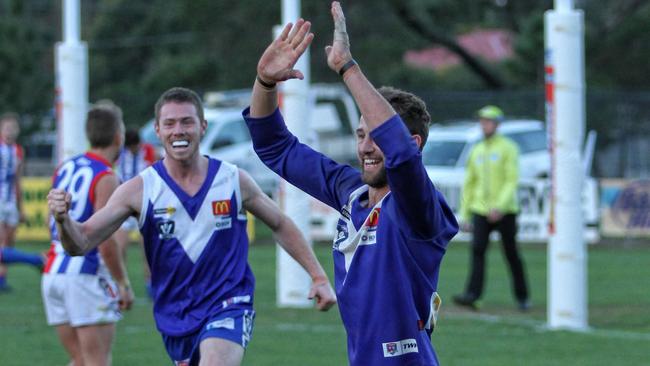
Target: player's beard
<point x="377" y="180"/>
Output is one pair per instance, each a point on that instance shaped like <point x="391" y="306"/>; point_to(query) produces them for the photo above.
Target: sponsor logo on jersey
<point x="369" y="234"/>
<point x="221" y="211"/>
<point x="236" y="300"/>
<point x="164" y="211"/>
<point x="398" y="348"/>
<point x="166" y="229"/>
<point x="373" y="219"/>
<point x="226" y="323"/>
<point x="221" y="207"/>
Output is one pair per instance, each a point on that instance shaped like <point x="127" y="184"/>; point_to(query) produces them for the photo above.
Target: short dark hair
<point x="131" y="137"/>
<point x="102" y="123"/>
<point x="180" y="95"/>
<point x="411" y="109"/>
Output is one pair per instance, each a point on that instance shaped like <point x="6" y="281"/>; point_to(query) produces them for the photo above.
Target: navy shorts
<point x="235" y="325"/>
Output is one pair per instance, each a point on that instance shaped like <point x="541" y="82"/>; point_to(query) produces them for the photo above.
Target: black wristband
<point x="264" y="83"/>
<point x="348" y="65"/>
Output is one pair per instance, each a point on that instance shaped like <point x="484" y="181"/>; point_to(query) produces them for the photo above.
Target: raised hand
<point x="338" y="54"/>
<point x="58" y="201"/>
<point x="279" y="58"/>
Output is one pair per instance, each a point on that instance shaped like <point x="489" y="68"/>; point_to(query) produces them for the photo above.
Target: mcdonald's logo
<point x="221" y="207"/>
<point x="373" y="218"/>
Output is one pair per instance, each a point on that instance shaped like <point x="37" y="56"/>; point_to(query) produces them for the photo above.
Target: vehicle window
<point x="442" y="153"/>
<point x="529" y="141"/>
<point x="232" y="132"/>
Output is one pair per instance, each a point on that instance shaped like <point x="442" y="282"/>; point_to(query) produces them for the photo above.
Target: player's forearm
<point x="264" y="100"/>
<point x="374" y="108"/>
<point x="294" y="243"/>
<point x="72" y="238"/>
<point x="114" y="261"/>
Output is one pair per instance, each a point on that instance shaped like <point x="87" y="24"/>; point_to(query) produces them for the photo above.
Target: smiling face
<point x="371" y="158"/>
<point x="180" y="129"/>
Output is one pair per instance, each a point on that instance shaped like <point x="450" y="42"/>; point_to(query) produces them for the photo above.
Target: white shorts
<point x="131" y="224"/>
<point x="79" y="299"/>
<point x="9" y="213"/>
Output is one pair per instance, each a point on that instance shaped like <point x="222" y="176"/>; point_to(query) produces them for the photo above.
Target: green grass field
<point x="619" y="316"/>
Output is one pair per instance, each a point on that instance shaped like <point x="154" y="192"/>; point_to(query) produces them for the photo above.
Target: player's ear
<point x="418" y="140"/>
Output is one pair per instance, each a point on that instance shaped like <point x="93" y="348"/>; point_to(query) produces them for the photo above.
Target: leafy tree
<point x="26" y="84"/>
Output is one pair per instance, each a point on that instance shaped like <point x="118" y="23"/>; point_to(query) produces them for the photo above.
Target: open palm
<point x="278" y="60"/>
<point x="339" y="52"/>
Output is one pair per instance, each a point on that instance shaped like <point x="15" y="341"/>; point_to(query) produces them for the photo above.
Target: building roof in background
<point x="492" y="45"/>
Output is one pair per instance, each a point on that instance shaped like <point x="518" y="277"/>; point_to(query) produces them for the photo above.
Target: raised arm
<point x="374" y="108"/>
<point x="289" y="237"/>
<point x="79" y="238"/>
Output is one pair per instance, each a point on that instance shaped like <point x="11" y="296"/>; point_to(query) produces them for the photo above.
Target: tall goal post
<point x="565" y="100"/>
<point x="293" y="282"/>
<point x="71" y="63"/>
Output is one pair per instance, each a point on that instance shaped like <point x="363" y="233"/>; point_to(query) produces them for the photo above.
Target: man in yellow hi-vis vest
<point x="489" y="203"/>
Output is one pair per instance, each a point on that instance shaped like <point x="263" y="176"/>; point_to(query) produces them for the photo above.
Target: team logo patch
<point x="341" y="234"/>
<point x="221" y="211"/>
<point x="166" y="229"/>
<point x="398" y="348"/>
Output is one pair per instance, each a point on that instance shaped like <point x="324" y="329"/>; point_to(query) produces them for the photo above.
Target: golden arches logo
<point x="221" y="207"/>
<point x="373" y="218"/>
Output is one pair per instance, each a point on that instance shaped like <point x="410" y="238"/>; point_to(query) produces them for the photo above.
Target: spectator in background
<point x="11" y="170"/>
<point x="489" y="202"/>
<point x="135" y="157"/>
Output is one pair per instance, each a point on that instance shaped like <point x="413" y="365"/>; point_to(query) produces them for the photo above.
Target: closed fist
<point x="58" y="201"/>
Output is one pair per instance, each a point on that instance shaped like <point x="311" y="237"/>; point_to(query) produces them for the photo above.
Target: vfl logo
<point x="166" y="229"/>
<point x="393" y="349"/>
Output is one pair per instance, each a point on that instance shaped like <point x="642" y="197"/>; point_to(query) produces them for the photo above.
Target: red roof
<point x="490" y="45"/>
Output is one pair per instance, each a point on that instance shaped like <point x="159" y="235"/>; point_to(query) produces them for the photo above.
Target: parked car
<point x="448" y="147"/>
